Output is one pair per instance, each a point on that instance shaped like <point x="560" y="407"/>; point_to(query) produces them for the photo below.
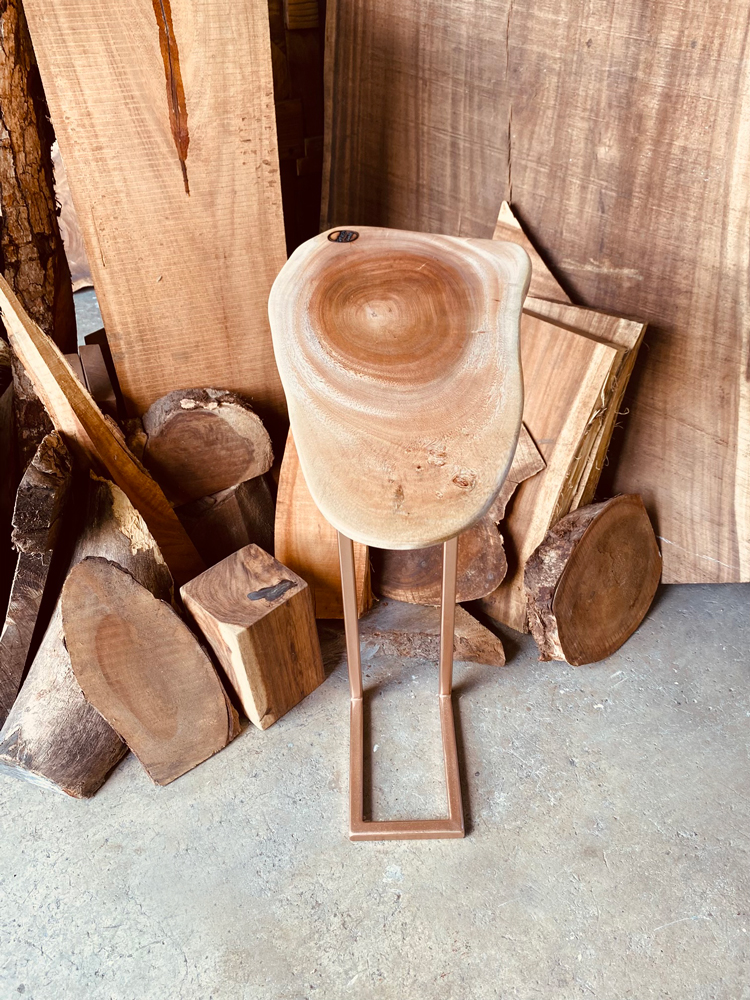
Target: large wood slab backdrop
<point x="620" y="132"/>
<point x="164" y="114"/>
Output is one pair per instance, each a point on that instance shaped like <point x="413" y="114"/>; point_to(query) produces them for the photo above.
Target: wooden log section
<point x="32" y="256"/>
<point x="415" y="575"/>
<point x="202" y="441"/>
<point x="547" y="299"/>
<point x="144" y="671"/>
<point x="91" y="438"/>
<point x="258" y="617"/>
<point x="308" y="544"/>
<point x="592" y="580"/>
<point x="399" y="357"/>
<point x="52" y="735"/>
<point x="224" y="522"/>
<point x="37" y="517"/>
<point x="394" y="628"/>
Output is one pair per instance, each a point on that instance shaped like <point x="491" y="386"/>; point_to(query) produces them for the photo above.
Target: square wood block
<point x="258" y="617"/>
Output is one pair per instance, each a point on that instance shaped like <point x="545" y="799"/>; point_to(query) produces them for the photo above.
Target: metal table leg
<point x="412" y="829"/>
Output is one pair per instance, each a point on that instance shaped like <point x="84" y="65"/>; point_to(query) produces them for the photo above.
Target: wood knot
<point x="465" y="479"/>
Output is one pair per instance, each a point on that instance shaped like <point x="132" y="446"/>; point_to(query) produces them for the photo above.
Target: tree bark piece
<point x="398" y="353"/>
<point x="32" y="256"/>
<point x="52" y="735"/>
<point x="398" y="629"/>
<point x="203" y="441"/>
<point x="40" y="502"/>
<point x="183" y="226"/>
<point x="221" y="524"/>
<point x="91" y="438"/>
<point x="143" y="670"/>
<point x="415" y="575"/>
<point x="258" y="617"/>
<point x="592" y="580"/>
<point x="308" y="544"/>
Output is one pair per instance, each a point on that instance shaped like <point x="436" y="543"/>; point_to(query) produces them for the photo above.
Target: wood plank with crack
<point x="169" y="140"/>
<point x="640" y="214"/>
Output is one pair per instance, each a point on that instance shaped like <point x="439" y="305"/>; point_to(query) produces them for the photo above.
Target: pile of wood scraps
<point x="121" y="662"/>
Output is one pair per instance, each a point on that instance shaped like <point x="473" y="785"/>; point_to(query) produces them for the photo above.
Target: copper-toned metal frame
<point x="410" y="829"/>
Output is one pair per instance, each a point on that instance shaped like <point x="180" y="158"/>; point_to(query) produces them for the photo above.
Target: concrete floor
<point x="607" y="848"/>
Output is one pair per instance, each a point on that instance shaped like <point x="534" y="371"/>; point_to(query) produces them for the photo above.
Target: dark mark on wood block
<point x="271" y="593"/>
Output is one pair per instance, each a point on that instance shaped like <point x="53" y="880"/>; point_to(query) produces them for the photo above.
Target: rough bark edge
<point x="543" y="570"/>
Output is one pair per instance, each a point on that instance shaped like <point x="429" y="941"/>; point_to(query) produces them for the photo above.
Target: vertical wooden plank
<point x="164" y="115"/>
<point x="621" y="135"/>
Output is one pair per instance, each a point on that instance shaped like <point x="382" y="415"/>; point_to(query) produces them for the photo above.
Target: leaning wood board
<point x="164" y="115"/>
<point x="547" y="298"/>
<point x="568" y="380"/>
<point x="620" y="133"/>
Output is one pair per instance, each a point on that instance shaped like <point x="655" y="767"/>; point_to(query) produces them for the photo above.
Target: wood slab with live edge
<point x="399" y="356"/>
<point x="40" y="503"/>
<point x="620" y="133"/>
<point x="202" y="441"/>
<point x="258" y="617"/>
<point x="53" y="737"/>
<point x="91" y="438"/>
<point x="415" y="575"/>
<point x="164" y="114"/>
<point x="395" y="628"/>
<point x="568" y="380"/>
<point x="592" y="580"/>
<point x="143" y="670"/>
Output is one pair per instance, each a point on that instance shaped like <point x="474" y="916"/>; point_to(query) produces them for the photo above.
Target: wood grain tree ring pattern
<point x="203" y="441"/>
<point x="399" y="356"/>
<point x="592" y="580"/>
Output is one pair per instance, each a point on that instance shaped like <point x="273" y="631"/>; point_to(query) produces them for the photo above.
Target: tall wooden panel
<point x="620" y="132"/>
<point x="164" y="114"/>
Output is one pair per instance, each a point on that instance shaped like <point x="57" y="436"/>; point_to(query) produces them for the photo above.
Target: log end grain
<point x="592" y="580"/>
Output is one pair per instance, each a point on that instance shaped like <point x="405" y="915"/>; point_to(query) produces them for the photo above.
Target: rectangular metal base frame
<point x="451" y="827"/>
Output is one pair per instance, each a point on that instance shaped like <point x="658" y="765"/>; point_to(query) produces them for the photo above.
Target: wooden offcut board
<point x="165" y="119"/>
<point x="620" y="134"/>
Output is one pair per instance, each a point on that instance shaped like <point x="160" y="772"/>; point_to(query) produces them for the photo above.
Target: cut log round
<point x="592" y="580"/>
<point x="143" y="670"/>
<point x="52" y="735"/>
<point x="203" y="441"/>
<point x="399" y="357"/>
